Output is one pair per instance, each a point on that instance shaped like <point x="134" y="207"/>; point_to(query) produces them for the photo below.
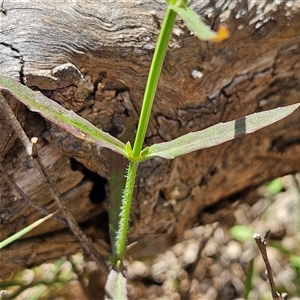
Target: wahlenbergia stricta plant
<point x="217" y="134"/>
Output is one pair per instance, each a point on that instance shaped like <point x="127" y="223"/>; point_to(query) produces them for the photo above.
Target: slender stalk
<point x="10" y="117"/>
<point x="125" y="211"/>
<point x="27" y="198"/>
<point x="31" y="148"/>
<point x="72" y="223"/>
<point x="154" y="73"/>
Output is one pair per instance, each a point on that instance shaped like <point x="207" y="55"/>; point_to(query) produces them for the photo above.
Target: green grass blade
<point x="64" y="118"/>
<point x="219" y="133"/>
<point x="22" y="232"/>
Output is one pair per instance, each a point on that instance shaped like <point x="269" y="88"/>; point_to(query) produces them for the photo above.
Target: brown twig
<point x="11" y="118"/>
<point x="27" y="198"/>
<point x="296" y="183"/>
<point x="31" y="149"/>
<point x="61" y="202"/>
<point x="262" y="246"/>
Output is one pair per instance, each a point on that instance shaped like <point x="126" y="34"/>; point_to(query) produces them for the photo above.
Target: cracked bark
<point x="93" y="58"/>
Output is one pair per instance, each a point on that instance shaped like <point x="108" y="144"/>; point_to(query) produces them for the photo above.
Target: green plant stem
<point x="154" y="73"/>
<point x="125" y="212"/>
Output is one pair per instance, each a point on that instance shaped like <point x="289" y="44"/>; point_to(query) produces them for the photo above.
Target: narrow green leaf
<point x="241" y="233"/>
<point x="115" y="286"/>
<point x="64" y="118"/>
<point x="22" y="232"/>
<point x="275" y="186"/>
<point x="219" y="133"/>
<point x="199" y="28"/>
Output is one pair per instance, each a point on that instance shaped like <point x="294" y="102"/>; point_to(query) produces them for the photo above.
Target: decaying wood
<point x="93" y="58"/>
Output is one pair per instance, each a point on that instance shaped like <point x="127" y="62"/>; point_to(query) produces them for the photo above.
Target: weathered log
<point x="93" y="57"/>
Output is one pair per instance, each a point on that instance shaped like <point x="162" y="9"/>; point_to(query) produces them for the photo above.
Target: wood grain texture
<point x="93" y="57"/>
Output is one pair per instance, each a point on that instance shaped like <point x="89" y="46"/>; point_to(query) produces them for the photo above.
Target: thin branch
<point x="31" y="148"/>
<point x="27" y="198"/>
<point x="62" y="204"/>
<point x="296" y="184"/>
<point x="11" y="118"/>
<point x="262" y="246"/>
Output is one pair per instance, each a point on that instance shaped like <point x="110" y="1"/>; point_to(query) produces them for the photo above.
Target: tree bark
<point x="93" y="57"/>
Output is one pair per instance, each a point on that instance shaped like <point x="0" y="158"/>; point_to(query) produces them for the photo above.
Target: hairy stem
<point x="125" y="211"/>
